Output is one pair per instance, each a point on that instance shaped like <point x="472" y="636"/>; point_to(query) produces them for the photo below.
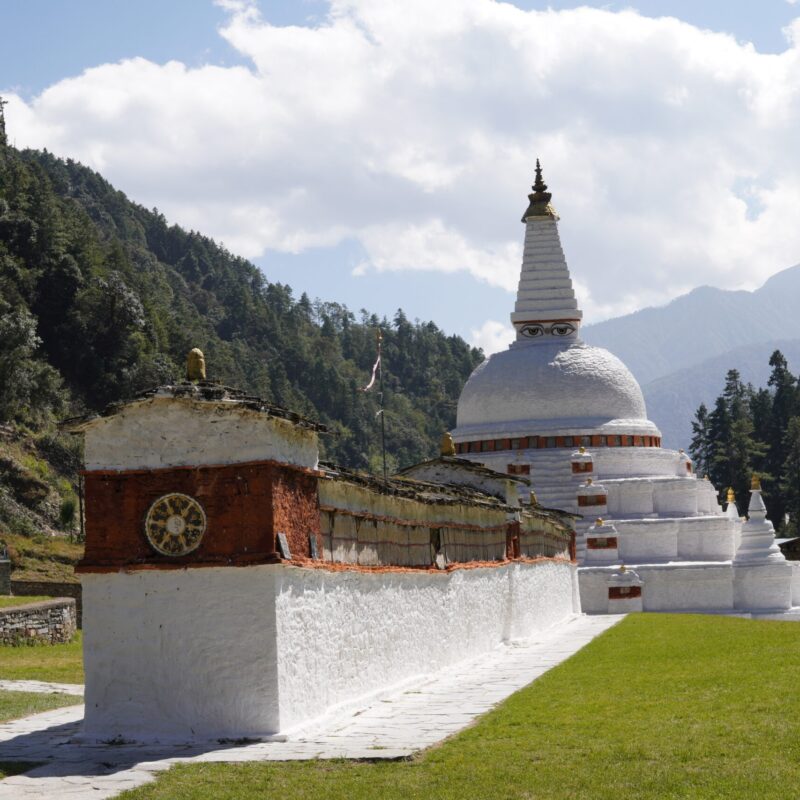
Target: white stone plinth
<point x="601" y="544"/>
<point x="625" y="589"/>
<point x="762" y="587"/>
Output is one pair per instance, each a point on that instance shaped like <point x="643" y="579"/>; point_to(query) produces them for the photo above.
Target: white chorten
<point x="574" y="412"/>
<point x="762" y="576"/>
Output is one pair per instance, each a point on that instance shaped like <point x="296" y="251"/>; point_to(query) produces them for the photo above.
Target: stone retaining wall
<point x="48" y="621"/>
<point x="47" y="589"/>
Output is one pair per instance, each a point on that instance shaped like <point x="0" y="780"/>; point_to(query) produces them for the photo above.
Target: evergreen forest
<point x="751" y="430"/>
<point x="101" y="298"/>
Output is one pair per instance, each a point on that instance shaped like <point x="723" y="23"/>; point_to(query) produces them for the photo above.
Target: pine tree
<point x="784" y="408"/>
<point x="701" y="447"/>
<point x="790" y="477"/>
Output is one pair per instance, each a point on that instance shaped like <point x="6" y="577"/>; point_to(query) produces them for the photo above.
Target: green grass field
<point x="8" y="601"/>
<point x="661" y="706"/>
<point x="14" y="705"/>
<point x="61" y="663"/>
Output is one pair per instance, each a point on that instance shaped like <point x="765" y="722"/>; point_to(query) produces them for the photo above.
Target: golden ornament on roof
<point x="447" y="447"/>
<point x="195" y="365"/>
<point x="755" y="483"/>
<point x="731" y="495"/>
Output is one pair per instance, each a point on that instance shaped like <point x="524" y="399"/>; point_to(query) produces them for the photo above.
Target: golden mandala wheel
<point x="175" y="524"/>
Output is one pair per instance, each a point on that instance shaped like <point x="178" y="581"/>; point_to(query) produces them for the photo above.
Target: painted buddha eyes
<point x="532" y="330"/>
<point x="556" y="329"/>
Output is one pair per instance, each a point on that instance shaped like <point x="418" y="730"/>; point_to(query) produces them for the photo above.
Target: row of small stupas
<point x="233" y="586"/>
<point x="572" y="418"/>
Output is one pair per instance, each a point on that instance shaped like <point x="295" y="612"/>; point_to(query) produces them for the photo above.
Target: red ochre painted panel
<point x="624" y="592"/>
<point x="592" y="500"/>
<point x="602" y="543"/>
<point x="245" y="506"/>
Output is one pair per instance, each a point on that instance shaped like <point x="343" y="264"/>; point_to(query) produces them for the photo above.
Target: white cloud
<point x="492" y="336"/>
<point x="412" y="127"/>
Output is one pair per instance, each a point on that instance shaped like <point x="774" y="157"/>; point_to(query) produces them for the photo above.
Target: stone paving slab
<point x="42" y="687"/>
<point x="394" y="727"/>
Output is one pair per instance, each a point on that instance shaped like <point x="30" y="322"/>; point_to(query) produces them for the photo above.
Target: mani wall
<point x="245" y="589"/>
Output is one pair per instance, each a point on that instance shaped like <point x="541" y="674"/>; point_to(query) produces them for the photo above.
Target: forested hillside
<point x="100" y="298"/>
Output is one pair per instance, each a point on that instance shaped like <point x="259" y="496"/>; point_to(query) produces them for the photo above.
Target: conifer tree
<point x="701" y="448"/>
<point x="790" y="478"/>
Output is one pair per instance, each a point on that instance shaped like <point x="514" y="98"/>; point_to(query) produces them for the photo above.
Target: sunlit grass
<point x="59" y="663"/>
<point x="661" y="706"/>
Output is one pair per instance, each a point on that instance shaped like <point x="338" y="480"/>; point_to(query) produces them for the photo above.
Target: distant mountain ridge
<point x="672" y="400"/>
<point x="680" y="352"/>
<point x="704" y="323"/>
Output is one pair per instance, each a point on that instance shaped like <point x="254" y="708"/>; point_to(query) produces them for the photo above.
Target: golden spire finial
<point x="755" y="483"/>
<point x="588" y="481"/>
<point x="539" y="205"/>
<point x="623" y="568"/>
<point x="447" y="447"/>
<point x="534" y="501"/>
<point x="581" y="449"/>
<point x="599" y="522"/>
<point x="195" y="365"/>
<point x="731" y="495"/>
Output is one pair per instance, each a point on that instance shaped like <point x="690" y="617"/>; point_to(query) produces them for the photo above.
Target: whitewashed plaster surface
<point x="344" y="635"/>
<point x="180" y="654"/>
<point x="230" y="652"/>
<point x="666" y="587"/>
<point x="171" y="432"/>
<point x="542" y="386"/>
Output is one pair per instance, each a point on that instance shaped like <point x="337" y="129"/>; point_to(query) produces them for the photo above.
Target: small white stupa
<point x="762" y="578"/>
<point x="575" y="415"/>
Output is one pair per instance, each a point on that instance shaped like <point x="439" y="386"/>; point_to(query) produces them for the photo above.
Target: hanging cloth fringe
<point x="372" y="380"/>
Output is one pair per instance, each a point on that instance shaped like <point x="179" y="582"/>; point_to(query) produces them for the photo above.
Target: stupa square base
<point x="766" y="587"/>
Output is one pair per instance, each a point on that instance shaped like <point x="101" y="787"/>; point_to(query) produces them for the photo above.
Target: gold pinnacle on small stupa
<point x="599" y="522"/>
<point x="195" y="365"/>
<point x="731" y="495"/>
<point x="581" y="449"/>
<point x="446" y="446"/>
<point x="534" y="501"/>
<point x="755" y="483"/>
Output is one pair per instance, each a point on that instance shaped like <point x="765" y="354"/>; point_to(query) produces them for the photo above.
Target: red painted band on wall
<point x="547" y="442"/>
<point x="624" y="592"/>
<point x="592" y="500"/>
<point x="601" y="543"/>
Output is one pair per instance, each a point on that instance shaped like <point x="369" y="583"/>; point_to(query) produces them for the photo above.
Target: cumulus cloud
<point x="412" y="128"/>
<point x="492" y="336"/>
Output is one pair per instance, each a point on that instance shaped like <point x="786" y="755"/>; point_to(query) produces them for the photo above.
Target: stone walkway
<point x="392" y="728"/>
<point x="42" y="687"/>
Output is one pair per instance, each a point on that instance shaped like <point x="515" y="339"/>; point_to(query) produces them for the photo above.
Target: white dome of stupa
<point x="558" y="385"/>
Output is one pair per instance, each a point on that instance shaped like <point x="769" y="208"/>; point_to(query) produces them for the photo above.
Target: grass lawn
<point x="6" y="601"/>
<point x="8" y="768"/>
<point x="661" y="706"/>
<point x="60" y="663"/>
<point x="14" y="705"/>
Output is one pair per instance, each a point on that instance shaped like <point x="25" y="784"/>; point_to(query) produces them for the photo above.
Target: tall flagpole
<point x="380" y="400"/>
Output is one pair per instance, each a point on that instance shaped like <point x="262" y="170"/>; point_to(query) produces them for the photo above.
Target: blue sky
<point x="285" y="151"/>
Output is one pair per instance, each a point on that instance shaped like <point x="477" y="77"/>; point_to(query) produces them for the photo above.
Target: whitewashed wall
<point x="228" y="652"/>
<point x="667" y="587"/>
<point x="169" y="432"/>
<point x="180" y="654"/>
